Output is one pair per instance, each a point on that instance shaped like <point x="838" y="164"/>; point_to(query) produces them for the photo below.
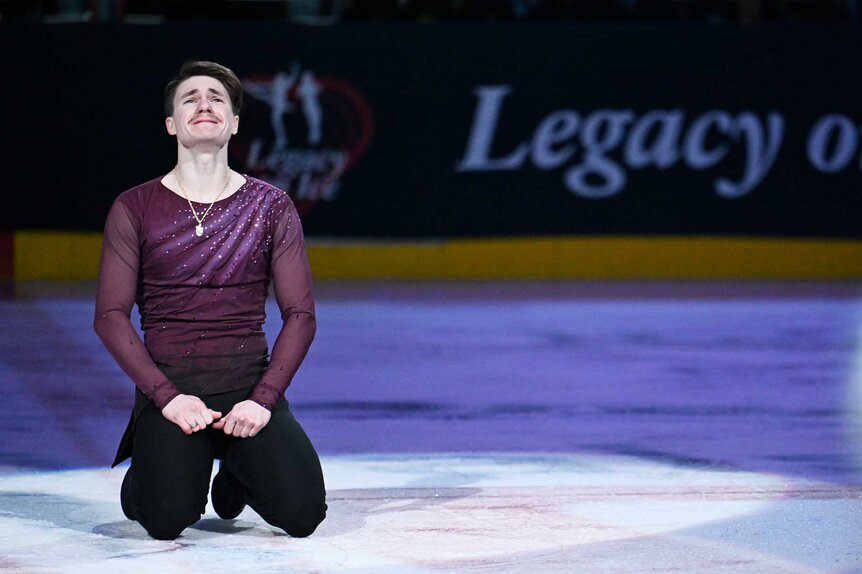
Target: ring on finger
<point x="194" y="424"/>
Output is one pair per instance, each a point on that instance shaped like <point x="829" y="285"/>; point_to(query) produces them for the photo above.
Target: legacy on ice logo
<point x="301" y="132"/>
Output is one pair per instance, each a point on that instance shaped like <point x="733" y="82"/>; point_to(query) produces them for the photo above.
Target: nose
<point x="204" y="104"/>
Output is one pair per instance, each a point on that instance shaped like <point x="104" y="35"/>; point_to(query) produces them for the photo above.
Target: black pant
<point x="170" y="472"/>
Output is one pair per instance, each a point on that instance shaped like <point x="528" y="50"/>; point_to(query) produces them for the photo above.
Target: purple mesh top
<point x="201" y="299"/>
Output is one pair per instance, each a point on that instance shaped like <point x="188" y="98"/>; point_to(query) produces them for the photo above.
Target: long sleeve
<point x="292" y="283"/>
<point x="115" y="295"/>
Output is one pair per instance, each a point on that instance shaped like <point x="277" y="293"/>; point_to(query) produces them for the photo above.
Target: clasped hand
<point x="244" y="420"/>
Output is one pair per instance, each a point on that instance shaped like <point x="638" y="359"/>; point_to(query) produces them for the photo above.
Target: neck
<point x="203" y="175"/>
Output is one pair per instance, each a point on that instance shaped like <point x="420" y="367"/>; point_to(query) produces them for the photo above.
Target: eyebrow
<point x="195" y="91"/>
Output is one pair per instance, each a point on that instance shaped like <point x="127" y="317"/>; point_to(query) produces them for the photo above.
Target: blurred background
<point x="154" y="11"/>
<point x="690" y="167"/>
<point x="522" y="139"/>
<point x="603" y="228"/>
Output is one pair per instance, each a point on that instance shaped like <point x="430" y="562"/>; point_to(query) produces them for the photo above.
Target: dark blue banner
<point x="460" y="130"/>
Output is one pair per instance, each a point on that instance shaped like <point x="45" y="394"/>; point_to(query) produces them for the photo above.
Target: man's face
<point x="202" y="113"/>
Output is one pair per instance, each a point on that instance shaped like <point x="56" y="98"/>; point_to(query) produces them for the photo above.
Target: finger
<point x="184" y="426"/>
<point x="215" y="414"/>
<point x="229" y="426"/>
<point x="257" y="427"/>
<point x="207" y="418"/>
<point x="219" y="424"/>
<point x="262" y="424"/>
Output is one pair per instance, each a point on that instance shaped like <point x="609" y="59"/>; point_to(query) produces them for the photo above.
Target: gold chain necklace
<point x="199" y="229"/>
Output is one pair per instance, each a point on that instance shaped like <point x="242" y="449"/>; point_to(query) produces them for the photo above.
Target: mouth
<point x="204" y="121"/>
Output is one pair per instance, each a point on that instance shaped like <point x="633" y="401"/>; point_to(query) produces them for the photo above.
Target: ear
<point x="235" y="125"/>
<point x="169" y="125"/>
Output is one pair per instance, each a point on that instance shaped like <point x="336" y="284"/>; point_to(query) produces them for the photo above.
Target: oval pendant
<point x="199" y="230"/>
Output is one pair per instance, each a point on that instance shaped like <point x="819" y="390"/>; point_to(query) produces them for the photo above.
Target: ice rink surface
<point x="484" y="427"/>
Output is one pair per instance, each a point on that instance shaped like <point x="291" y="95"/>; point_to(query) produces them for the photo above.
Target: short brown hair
<point x="201" y="68"/>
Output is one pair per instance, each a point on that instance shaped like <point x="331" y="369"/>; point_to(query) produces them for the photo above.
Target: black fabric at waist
<point x="214" y="374"/>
